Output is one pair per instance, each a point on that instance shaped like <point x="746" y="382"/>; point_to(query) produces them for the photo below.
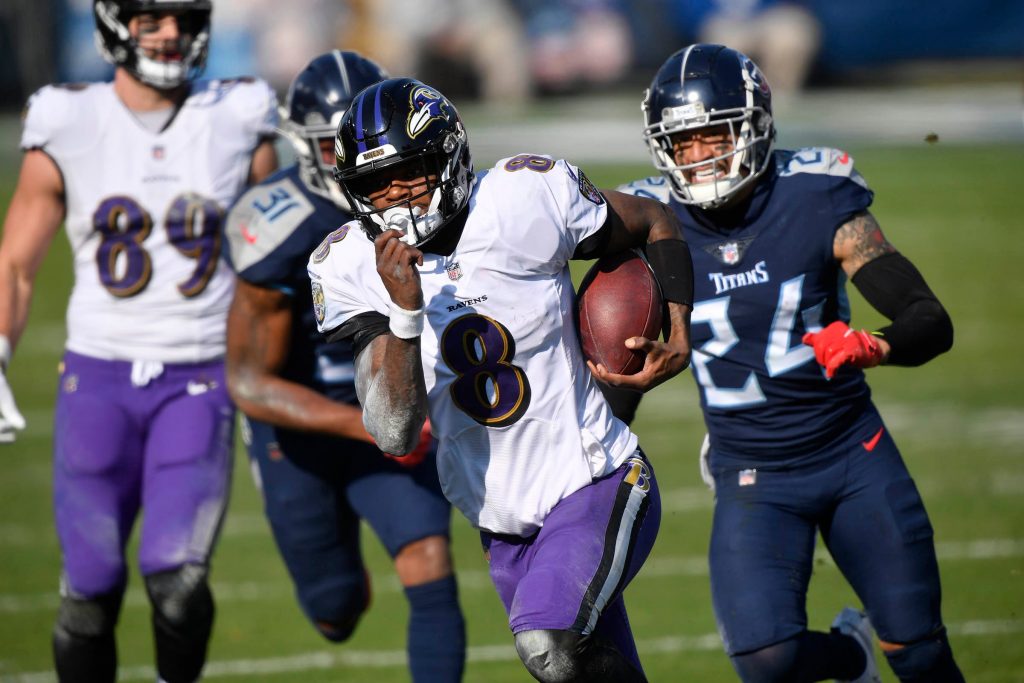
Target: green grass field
<point x="956" y="211"/>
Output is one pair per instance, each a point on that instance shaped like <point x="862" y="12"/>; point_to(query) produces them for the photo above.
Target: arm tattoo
<point x="859" y="241"/>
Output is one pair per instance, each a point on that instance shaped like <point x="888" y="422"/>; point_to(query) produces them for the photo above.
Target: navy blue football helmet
<point x="403" y="121"/>
<point x="312" y="111"/>
<point x="703" y="86"/>
<point x="118" y="47"/>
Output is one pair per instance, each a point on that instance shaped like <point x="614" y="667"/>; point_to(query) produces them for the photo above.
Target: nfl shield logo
<point x="454" y="271"/>
<point x="158" y="152"/>
<point x="730" y="253"/>
<point x="748" y="477"/>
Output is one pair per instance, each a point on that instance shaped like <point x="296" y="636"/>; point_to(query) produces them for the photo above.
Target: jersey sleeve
<point x="848" y="191"/>
<point x="254" y="105"/>
<point x="583" y="206"/>
<point x="260" y="229"/>
<point x="338" y="280"/>
<point x="830" y="174"/>
<point x="267" y="120"/>
<point x="45" y="114"/>
<point x="539" y="190"/>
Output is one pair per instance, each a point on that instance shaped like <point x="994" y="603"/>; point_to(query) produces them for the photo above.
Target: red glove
<point x="838" y="345"/>
<point x="418" y="454"/>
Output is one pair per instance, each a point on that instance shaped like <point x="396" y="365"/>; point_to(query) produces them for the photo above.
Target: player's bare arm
<point x="920" y="330"/>
<point x="258" y="334"/>
<point x="33" y="219"/>
<point x="859" y="241"/>
<point x="635" y="221"/>
<point x="389" y="374"/>
<point x="264" y="162"/>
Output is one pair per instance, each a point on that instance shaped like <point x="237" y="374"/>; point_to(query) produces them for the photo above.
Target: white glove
<point x="10" y="417"/>
<point x="705" y="470"/>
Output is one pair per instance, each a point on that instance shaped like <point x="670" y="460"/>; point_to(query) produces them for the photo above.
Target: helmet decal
<point x="403" y="121"/>
<point x="379" y="127"/>
<point x="425" y="107"/>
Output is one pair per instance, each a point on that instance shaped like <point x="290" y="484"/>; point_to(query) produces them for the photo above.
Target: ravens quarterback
<point x="318" y="469"/>
<point x="453" y="286"/>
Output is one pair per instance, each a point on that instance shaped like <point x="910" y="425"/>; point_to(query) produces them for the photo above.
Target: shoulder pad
<point x="826" y="161"/>
<point x="73" y="87"/>
<point x="263" y="218"/>
<point x="653" y="187"/>
<point x="47" y="111"/>
<point x="823" y="160"/>
<point x="245" y="94"/>
<point x="323" y="250"/>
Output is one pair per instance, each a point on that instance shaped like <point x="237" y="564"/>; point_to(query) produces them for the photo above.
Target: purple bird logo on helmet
<point x="426" y="106"/>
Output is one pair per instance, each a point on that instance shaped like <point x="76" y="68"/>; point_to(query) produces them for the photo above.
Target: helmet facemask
<point x="445" y="165"/>
<point x="316" y="167"/>
<point x="117" y="45"/>
<point x="751" y="135"/>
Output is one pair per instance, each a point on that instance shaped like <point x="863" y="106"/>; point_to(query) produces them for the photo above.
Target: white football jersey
<point x="520" y="421"/>
<point x="145" y="211"/>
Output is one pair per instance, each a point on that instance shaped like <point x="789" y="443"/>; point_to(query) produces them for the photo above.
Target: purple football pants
<point x="164" y="448"/>
<point x="570" y="575"/>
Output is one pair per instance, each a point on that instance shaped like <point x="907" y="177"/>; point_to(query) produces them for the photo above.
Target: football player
<point x="140" y="170"/>
<point x="319" y="470"/>
<point x="453" y="288"/>
<point x="795" y="445"/>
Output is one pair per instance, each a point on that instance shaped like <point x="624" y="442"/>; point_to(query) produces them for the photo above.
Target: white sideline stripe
<point x="381" y="659"/>
<point x="472" y="579"/>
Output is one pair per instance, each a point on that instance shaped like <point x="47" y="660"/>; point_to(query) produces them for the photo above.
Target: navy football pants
<point x="316" y="490"/>
<point x="872" y="519"/>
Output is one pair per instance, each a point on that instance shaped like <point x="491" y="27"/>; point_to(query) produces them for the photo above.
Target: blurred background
<point x="511" y="51"/>
<point x="925" y="94"/>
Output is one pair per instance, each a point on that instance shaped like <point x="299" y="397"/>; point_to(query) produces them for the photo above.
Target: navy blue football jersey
<point x="272" y="229"/>
<point x="760" y="283"/>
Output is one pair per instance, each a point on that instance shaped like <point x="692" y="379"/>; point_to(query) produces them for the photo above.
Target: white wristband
<point x="5" y="352"/>
<point x="405" y="324"/>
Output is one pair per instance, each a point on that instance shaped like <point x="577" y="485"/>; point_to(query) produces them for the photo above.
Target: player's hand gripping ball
<point x="618" y="299"/>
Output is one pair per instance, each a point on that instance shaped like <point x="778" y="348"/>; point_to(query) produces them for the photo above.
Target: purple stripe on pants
<point x="570" y="575"/>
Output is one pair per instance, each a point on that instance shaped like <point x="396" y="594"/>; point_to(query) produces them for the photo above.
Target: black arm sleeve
<point x="921" y="328"/>
<point x="360" y="330"/>
<point x="673" y="269"/>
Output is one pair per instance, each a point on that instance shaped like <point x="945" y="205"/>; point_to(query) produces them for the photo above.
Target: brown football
<point x="618" y="299"/>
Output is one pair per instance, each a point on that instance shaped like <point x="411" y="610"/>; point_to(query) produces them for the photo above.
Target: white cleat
<point x="855" y="624"/>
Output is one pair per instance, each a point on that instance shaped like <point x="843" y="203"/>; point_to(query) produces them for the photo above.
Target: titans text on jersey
<point x="759" y="297"/>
